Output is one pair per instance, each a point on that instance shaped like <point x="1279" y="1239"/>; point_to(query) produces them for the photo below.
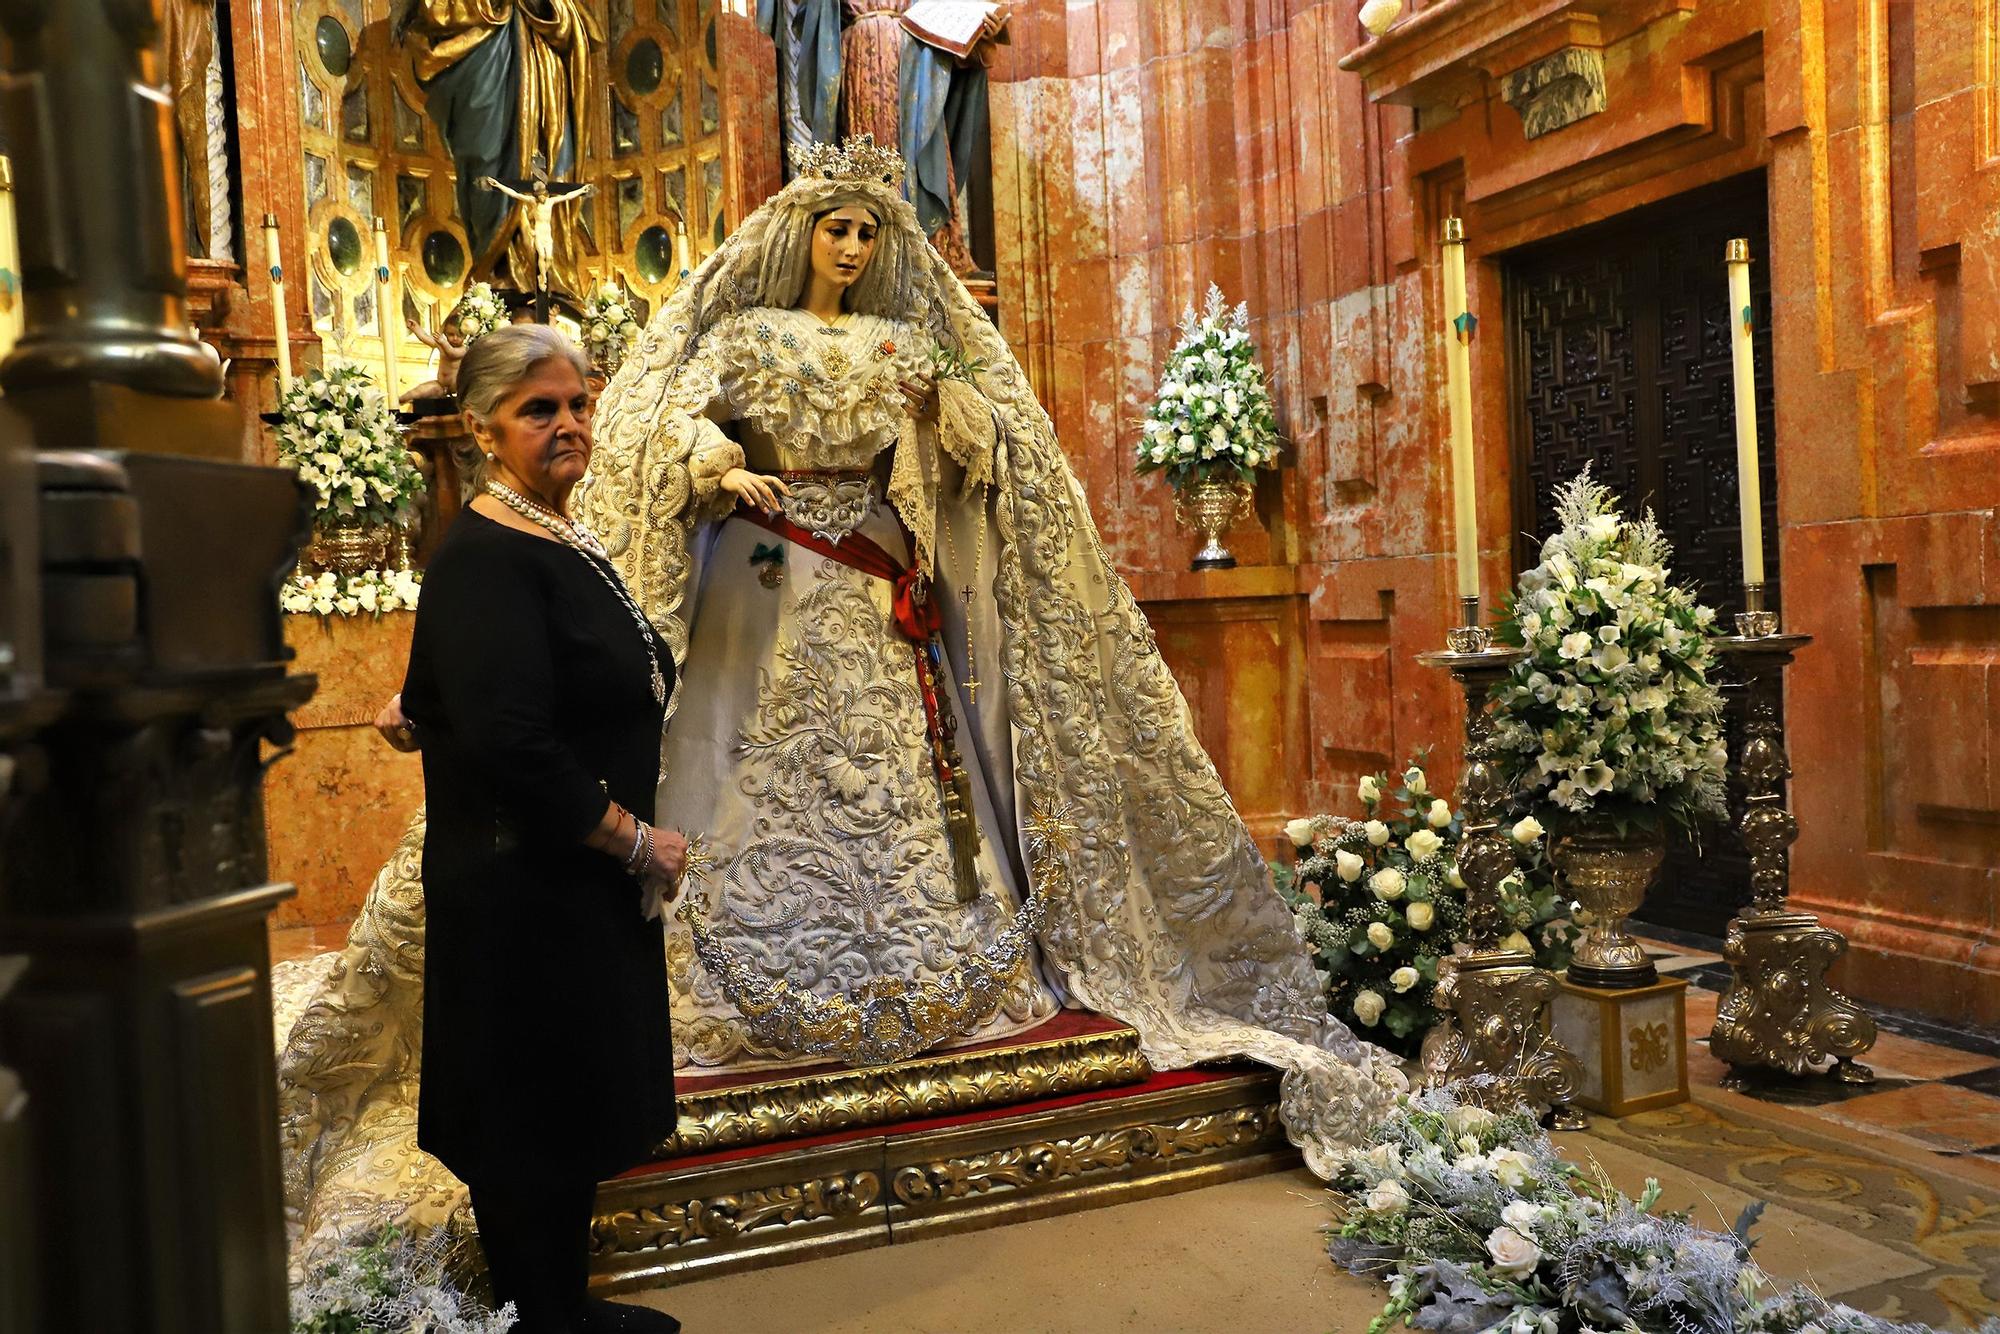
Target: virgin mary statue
<point x="936" y="778"/>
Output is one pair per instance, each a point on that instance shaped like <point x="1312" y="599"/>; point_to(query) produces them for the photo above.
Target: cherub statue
<point x="450" y="346"/>
<point x="540" y="206"/>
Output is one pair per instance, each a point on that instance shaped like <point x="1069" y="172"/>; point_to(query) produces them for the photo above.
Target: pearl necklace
<point x="582" y="541"/>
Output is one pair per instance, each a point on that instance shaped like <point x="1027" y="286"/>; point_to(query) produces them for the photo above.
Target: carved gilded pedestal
<point x="1779" y="1012"/>
<point x="1498" y="998"/>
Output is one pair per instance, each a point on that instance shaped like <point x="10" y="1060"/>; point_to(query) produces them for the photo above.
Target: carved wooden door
<point x="1619" y="356"/>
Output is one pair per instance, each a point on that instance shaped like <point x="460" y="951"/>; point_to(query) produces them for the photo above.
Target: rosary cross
<point x="972" y="681"/>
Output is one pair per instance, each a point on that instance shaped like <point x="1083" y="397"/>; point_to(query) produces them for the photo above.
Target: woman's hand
<point x="662" y="880"/>
<point x="921" y="396"/>
<point x="396" y="729"/>
<point x="757" y="488"/>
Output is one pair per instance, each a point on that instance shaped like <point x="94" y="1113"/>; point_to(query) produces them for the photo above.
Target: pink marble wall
<point x="1143" y="150"/>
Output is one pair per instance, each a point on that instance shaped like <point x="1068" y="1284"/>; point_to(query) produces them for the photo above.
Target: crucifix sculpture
<point x="538" y="198"/>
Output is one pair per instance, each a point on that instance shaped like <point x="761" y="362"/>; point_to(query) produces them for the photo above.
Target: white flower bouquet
<point x="610" y="326"/>
<point x="1478" y="1225"/>
<point x="1381" y="904"/>
<point x="480" y="312"/>
<point x="1612" y="713"/>
<point x="389" y="1282"/>
<point x="372" y="592"/>
<point x="337" y="429"/>
<point x="1212" y="419"/>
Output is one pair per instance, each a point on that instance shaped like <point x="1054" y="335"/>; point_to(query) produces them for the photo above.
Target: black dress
<point x="547" y="1054"/>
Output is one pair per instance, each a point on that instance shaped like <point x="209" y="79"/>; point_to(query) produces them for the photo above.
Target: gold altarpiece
<point x="676" y="136"/>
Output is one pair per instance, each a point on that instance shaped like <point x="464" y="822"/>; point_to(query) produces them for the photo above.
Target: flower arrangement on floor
<point x="371" y="591"/>
<point x="1212" y="419"/>
<point x="1479" y="1226"/>
<point x="480" y="312"/>
<point x="391" y="1283"/>
<point x="610" y="327"/>
<point x="1612" y="713"/>
<point x="1381" y="904"/>
<point x="337" y="429"/>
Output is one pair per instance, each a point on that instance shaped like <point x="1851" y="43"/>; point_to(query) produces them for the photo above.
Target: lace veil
<point x="1172" y="926"/>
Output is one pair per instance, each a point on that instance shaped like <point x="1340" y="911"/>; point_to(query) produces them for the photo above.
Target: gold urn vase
<point x="347" y="549"/>
<point x="1212" y="509"/>
<point x="1608" y="873"/>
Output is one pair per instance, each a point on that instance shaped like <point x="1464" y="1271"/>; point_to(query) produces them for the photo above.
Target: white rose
<point x="1388" y="884"/>
<point x="1404" y="978"/>
<point x="1368" y="1007"/>
<point x="1524" y="1216"/>
<point x="1300" y="832"/>
<point x="1513" y="1254"/>
<point x="1413" y="779"/>
<point x="1423" y="844"/>
<point x="1468" y="1120"/>
<point x="1347" y="866"/>
<point x="1602" y="527"/>
<point x="1378" y="833"/>
<point x="1440" y="814"/>
<point x="1527" y="829"/>
<point x="1380" y="936"/>
<point x="1512" y="1167"/>
<point x="1388" y="1197"/>
<point x="1370" y="793"/>
<point x="1420" y="916"/>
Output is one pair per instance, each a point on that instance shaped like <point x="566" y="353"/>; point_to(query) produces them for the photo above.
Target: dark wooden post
<point x="132" y="869"/>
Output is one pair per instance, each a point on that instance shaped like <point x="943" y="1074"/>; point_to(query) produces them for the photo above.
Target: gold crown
<point x="858" y="159"/>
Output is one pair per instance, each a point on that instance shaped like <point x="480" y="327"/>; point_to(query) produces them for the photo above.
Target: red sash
<point x="915" y="610"/>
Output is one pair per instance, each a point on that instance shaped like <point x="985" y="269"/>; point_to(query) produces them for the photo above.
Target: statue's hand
<point x="921" y="394"/>
<point x="760" y="490"/>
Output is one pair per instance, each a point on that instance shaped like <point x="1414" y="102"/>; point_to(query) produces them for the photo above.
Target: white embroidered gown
<point x="797" y="746"/>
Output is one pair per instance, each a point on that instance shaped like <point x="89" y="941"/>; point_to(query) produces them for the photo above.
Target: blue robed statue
<point x="507" y="82"/>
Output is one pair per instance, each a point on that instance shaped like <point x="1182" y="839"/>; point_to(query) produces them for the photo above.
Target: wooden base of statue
<point x="1631" y="1043"/>
<point x="796" y="1168"/>
<point x="448" y="458"/>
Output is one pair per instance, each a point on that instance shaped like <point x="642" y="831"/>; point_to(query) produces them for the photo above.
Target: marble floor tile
<point x="1949" y="1118"/>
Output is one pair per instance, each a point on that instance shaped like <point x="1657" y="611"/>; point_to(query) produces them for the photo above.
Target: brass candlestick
<point x="1498" y="998"/>
<point x="1779" y="1012"/>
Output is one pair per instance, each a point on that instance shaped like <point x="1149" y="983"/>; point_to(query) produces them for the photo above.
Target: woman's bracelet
<point x="638" y="845"/>
<point x="645" y="861"/>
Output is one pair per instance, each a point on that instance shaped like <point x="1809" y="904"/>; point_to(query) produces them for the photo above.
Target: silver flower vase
<point x="1212" y="509"/>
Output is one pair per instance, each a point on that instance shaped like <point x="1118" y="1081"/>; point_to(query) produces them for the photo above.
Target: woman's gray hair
<point x="502" y="359"/>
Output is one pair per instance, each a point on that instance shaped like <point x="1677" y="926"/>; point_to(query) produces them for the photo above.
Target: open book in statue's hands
<point x="957" y="27"/>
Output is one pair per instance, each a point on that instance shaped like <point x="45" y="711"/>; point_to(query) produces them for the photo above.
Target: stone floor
<point x="1937" y="1087"/>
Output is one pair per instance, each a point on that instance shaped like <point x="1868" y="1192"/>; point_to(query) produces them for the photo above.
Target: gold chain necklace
<point x="582" y="541"/>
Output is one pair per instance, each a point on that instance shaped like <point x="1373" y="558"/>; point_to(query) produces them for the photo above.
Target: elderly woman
<point x="536" y="691"/>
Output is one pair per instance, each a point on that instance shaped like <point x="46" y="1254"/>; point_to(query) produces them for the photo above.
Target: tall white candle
<point x="1749" y="488"/>
<point x="279" y="332"/>
<point x="1458" y="393"/>
<point x="384" y="312"/>
<point x="11" y="319"/>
